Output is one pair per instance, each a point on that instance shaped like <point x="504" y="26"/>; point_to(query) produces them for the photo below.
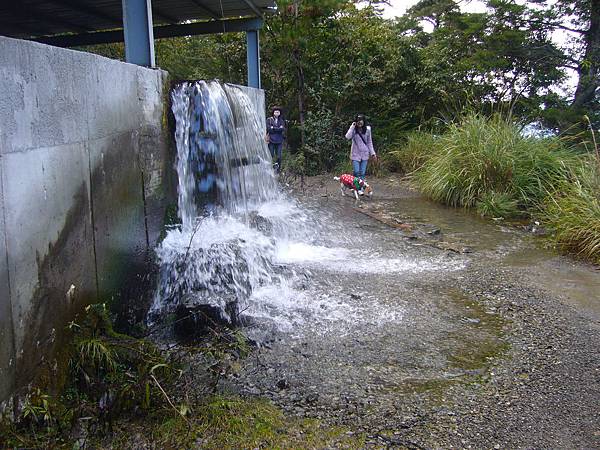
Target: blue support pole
<point x="253" y="58"/>
<point x="138" y="31"/>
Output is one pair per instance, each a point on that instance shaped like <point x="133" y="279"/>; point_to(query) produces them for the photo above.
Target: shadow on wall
<point x="85" y="178"/>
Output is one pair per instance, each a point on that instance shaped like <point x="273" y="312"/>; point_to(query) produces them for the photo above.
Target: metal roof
<point x="27" y="19"/>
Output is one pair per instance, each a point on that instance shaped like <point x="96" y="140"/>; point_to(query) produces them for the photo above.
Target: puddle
<point x="576" y="282"/>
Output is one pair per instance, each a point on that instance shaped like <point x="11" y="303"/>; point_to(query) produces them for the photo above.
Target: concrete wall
<point x="84" y="181"/>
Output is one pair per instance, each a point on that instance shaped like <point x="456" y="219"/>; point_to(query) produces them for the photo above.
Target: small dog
<point x="355" y="184"/>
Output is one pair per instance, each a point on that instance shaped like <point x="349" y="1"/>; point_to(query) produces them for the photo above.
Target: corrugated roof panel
<point x="32" y="18"/>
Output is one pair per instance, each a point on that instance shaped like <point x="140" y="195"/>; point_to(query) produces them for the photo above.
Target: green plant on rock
<point x="295" y="164"/>
<point x="40" y="408"/>
<point x="109" y="375"/>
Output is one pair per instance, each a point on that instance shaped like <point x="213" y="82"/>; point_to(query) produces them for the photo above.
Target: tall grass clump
<point x="487" y="163"/>
<point x="573" y="214"/>
<point x="417" y="150"/>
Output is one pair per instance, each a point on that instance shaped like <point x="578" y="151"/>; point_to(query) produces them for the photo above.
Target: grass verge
<point x="573" y="213"/>
<point x="122" y="392"/>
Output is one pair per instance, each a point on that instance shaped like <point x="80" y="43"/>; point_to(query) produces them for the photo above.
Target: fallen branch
<point x="385" y="220"/>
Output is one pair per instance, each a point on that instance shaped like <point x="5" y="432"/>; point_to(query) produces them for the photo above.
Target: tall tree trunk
<point x="300" y="80"/>
<point x="297" y="57"/>
<point x="589" y="67"/>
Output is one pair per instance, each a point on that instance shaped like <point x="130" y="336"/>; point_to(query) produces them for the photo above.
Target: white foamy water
<point x="358" y="261"/>
<point x="296" y="311"/>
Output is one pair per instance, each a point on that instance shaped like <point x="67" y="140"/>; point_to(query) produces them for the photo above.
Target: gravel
<point x="481" y="357"/>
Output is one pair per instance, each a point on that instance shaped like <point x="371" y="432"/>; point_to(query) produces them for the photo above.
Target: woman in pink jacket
<point x="362" y="146"/>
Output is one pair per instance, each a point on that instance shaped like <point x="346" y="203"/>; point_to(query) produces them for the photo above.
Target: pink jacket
<point x="361" y="149"/>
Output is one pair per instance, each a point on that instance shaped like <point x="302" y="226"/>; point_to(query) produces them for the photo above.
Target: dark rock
<point x="283" y="384"/>
<point x="260" y="223"/>
<point x="196" y="314"/>
<point x="312" y="397"/>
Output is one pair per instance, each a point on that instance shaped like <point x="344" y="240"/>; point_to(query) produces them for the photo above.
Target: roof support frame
<point x="253" y="58"/>
<point x="163" y="31"/>
<point x="207" y="10"/>
<point x="89" y="10"/>
<point x="138" y="32"/>
<point x="254" y="8"/>
<point x="33" y="29"/>
<point x="160" y="14"/>
<point x="18" y="10"/>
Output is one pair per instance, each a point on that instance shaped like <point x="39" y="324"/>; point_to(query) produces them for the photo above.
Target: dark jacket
<point x="276" y="130"/>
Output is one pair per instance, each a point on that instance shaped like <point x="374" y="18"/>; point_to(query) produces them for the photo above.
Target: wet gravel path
<point x="475" y="356"/>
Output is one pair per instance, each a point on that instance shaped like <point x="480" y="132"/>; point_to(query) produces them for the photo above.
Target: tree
<point x="493" y="58"/>
<point x="579" y="20"/>
<point x="435" y="12"/>
<point x="290" y="32"/>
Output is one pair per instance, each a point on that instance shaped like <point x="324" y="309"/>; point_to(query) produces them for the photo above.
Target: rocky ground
<point x="480" y="357"/>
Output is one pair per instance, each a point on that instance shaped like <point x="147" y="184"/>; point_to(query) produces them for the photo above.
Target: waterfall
<point x="230" y="206"/>
<point x="245" y="249"/>
<point x="222" y="160"/>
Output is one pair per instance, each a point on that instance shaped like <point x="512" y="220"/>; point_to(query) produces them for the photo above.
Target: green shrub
<point x="573" y="214"/>
<point x="324" y="146"/>
<point x="108" y="375"/>
<point x="540" y="167"/>
<point x="419" y="148"/>
<point x="486" y="162"/>
<point x="494" y="204"/>
<point x="294" y="164"/>
<point x="344" y="166"/>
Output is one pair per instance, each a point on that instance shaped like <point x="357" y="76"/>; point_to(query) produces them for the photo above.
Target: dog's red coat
<point x="348" y="181"/>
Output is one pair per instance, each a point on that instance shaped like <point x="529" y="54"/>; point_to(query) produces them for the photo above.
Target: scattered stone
<point x="312" y="397"/>
<point x="283" y="384"/>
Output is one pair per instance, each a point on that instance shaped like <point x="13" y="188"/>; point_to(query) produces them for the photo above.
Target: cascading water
<point x="244" y="248"/>
<point x="222" y="159"/>
<point x="229" y="203"/>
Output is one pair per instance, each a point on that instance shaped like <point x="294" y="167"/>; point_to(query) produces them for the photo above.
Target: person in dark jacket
<point x="276" y="134"/>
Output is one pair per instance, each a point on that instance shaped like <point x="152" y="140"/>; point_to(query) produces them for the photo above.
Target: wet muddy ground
<point x="434" y="329"/>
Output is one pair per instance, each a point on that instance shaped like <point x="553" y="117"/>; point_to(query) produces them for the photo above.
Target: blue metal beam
<point x="253" y="58"/>
<point x="160" y="32"/>
<point x="139" y="37"/>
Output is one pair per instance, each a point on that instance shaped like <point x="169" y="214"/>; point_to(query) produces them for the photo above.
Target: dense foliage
<point x="110" y="390"/>
<point x="326" y="60"/>
<point x="486" y="163"/>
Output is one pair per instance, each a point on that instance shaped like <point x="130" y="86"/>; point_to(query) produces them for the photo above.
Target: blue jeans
<point x="359" y="168"/>
<point x="276" y="150"/>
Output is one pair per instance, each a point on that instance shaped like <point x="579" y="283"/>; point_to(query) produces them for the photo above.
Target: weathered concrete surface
<point x="50" y="243"/>
<point x="84" y="165"/>
<point x="7" y="347"/>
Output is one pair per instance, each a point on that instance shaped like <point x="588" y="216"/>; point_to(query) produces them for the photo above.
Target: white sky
<point x="399" y="7"/>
